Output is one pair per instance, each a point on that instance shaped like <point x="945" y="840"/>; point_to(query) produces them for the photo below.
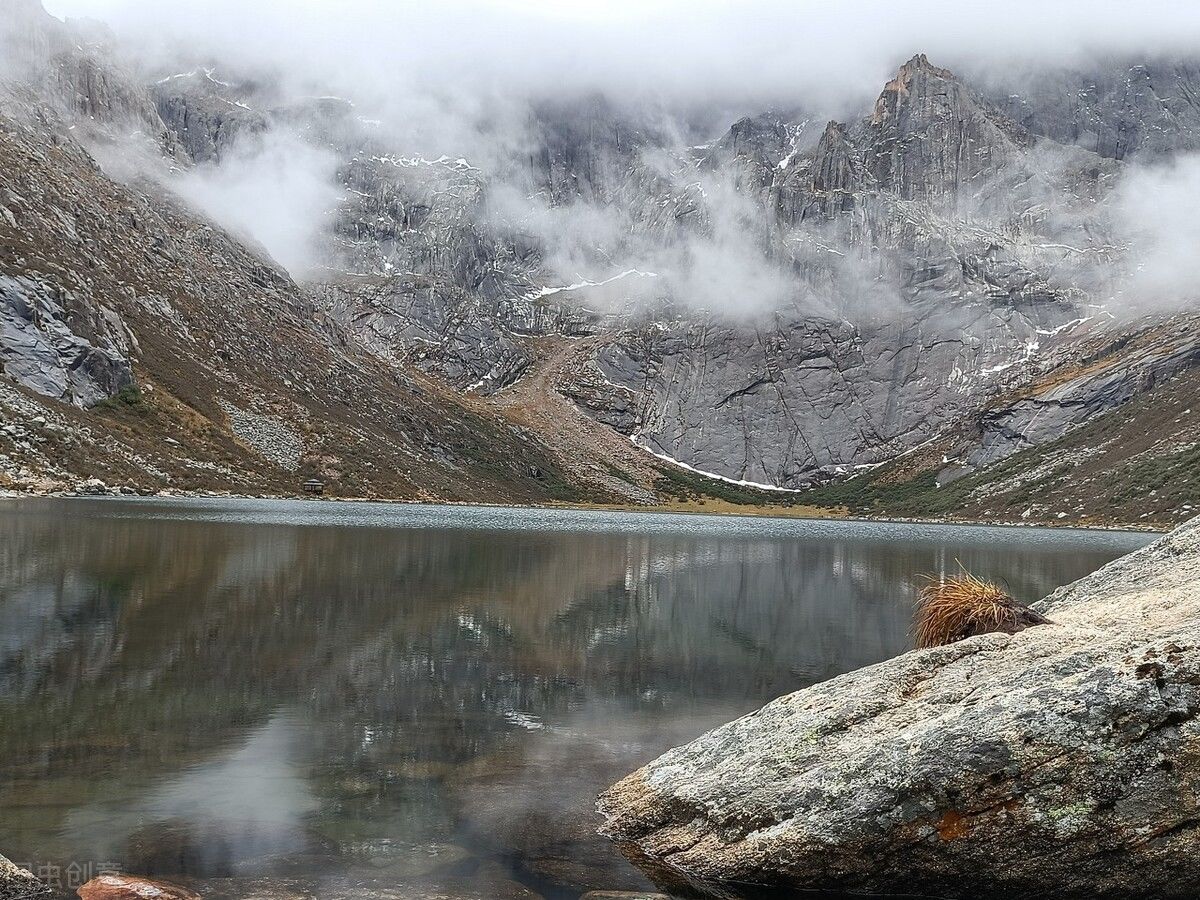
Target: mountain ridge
<point x="930" y="274"/>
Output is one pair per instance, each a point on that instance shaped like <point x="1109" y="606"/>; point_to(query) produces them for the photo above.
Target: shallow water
<point x="421" y="698"/>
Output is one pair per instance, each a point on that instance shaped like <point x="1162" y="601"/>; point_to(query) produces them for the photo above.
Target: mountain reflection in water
<point x="305" y="698"/>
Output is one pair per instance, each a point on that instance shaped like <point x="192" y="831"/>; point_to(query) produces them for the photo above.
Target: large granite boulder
<point x="1062" y="761"/>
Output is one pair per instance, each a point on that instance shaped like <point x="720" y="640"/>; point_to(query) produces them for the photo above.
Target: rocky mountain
<point x="894" y="313"/>
<point x="1138" y="108"/>
<point x="145" y="346"/>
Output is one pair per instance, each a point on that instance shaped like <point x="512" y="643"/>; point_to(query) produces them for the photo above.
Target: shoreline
<point x="717" y="510"/>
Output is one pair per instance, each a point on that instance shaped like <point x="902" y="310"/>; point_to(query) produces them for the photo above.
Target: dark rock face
<point x="73" y="69"/>
<point x="1060" y="761"/>
<point x="1117" y="111"/>
<point x="412" y="215"/>
<point x="801" y="395"/>
<point x="42" y="347"/>
<point x="474" y="343"/>
<point x="204" y="120"/>
<point x="584" y="150"/>
<point x="439" y="331"/>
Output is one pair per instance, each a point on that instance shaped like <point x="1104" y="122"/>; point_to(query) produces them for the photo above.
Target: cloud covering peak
<point x="752" y="52"/>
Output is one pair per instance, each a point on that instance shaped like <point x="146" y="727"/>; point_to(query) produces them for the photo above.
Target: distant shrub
<point x="125" y="401"/>
<point x="126" y="396"/>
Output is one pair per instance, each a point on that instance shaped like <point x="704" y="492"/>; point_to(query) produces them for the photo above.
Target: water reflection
<point x="299" y="692"/>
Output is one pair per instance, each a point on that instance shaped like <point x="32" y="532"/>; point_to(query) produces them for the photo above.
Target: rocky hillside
<point x="148" y="348"/>
<point x="928" y="294"/>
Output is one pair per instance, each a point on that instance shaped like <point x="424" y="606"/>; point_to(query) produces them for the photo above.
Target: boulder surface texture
<point x="17" y="884"/>
<point x="1062" y="761"/>
<point x="126" y="887"/>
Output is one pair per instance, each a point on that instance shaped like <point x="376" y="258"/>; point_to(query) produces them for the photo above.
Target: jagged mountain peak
<point x="834" y="131"/>
<point x="918" y="64"/>
<point x="910" y="80"/>
<point x="896" y="90"/>
<point x="765" y="135"/>
<point x="834" y="162"/>
<point x="930" y="134"/>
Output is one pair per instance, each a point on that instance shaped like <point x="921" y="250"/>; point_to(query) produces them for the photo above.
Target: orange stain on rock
<point x="953" y="826"/>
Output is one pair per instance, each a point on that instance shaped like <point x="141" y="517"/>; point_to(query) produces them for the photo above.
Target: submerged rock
<point x="474" y="888"/>
<point x="17" y="884"/>
<point x="1059" y="761"/>
<point x="125" y="887"/>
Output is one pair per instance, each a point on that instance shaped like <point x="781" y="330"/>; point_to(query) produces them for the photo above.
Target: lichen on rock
<point x="18" y="884"/>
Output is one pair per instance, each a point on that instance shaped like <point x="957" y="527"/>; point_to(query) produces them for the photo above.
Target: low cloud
<point x="706" y="52"/>
<point x="275" y="188"/>
<point x="465" y="78"/>
<point x="707" y="248"/>
<point x="1155" y="212"/>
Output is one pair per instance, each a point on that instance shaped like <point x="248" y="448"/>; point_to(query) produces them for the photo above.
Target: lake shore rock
<point x="127" y="887"/>
<point x="473" y="888"/>
<point x="1061" y="761"/>
<point x="18" y="884"/>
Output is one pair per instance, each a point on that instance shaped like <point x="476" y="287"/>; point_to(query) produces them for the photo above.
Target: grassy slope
<point x="1139" y="464"/>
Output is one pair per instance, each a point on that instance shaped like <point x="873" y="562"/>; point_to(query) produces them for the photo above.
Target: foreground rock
<point x="125" y="887"/>
<point x="1062" y="761"/>
<point x="478" y="887"/>
<point x="17" y="884"/>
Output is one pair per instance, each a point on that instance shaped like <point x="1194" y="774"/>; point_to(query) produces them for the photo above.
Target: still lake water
<point x="428" y="699"/>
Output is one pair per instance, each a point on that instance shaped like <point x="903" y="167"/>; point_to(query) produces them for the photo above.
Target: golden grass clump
<point x="962" y="606"/>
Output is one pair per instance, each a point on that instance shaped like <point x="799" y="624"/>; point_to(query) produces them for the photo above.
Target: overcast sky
<point x="701" y="50"/>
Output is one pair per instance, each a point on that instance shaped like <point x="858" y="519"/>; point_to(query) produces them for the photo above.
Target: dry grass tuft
<point x="962" y="606"/>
